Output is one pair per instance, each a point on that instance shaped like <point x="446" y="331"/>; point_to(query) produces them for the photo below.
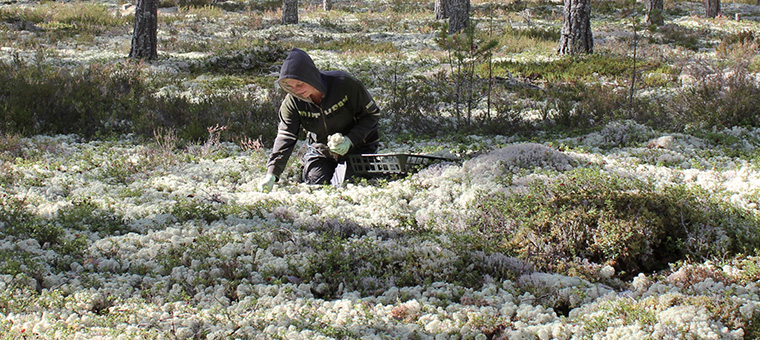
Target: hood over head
<point x="299" y="66"/>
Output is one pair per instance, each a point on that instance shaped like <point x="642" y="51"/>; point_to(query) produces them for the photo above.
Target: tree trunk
<point x="576" y="29"/>
<point x="712" y="8"/>
<point x="459" y="15"/>
<point x="327" y="5"/>
<point x="442" y="9"/>
<point x="654" y="12"/>
<point x="144" y="37"/>
<point x="289" y="12"/>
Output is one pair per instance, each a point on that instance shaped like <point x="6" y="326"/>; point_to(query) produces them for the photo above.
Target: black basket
<point x="395" y="163"/>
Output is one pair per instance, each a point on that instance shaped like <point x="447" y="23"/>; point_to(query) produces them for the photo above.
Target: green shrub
<point x="743" y="37"/>
<point x="86" y="215"/>
<point x="89" y="101"/>
<point x="577" y="68"/>
<point x="506" y="116"/>
<point x="15" y="220"/>
<point x="192" y="3"/>
<point x="361" y="264"/>
<point x="414" y="105"/>
<point x="102" y="100"/>
<point x="191" y="120"/>
<point x="59" y="20"/>
<point x="532" y="38"/>
<point x="578" y="105"/>
<point x="259" y="59"/>
<point x="688" y="38"/>
<point x="604" y="218"/>
<point x="353" y="44"/>
<point x="11" y="147"/>
<point x="609" y="7"/>
<point x="19" y="224"/>
<point x="265" y="5"/>
<point x="408" y="6"/>
<point x="8" y="175"/>
<point x="723" y="99"/>
<point x="192" y="209"/>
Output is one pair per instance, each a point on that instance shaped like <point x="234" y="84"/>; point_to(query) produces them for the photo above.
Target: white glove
<point x="339" y="144"/>
<point x="266" y="183"/>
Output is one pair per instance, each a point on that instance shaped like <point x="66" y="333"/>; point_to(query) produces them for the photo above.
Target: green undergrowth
<point x="592" y="216"/>
<point x="114" y="99"/>
<point x="57" y="21"/>
<point x="580" y="68"/>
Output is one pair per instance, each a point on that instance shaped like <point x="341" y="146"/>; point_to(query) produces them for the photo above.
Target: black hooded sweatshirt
<point x="346" y="107"/>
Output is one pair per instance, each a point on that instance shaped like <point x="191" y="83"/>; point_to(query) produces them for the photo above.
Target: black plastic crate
<point x="393" y="163"/>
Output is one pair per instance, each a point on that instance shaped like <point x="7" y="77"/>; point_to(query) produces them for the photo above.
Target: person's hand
<point x="339" y="144"/>
<point x="266" y="183"/>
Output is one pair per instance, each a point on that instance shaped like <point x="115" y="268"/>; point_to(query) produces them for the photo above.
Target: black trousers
<point x="320" y="166"/>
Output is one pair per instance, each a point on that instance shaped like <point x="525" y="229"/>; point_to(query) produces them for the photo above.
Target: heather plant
<point x="18" y="263"/>
<point x="723" y="99"/>
<point x="413" y="6"/>
<point x="92" y="100"/>
<point x="581" y="106"/>
<point x="611" y="7"/>
<point x="255" y="58"/>
<point x="83" y="214"/>
<point x="116" y="99"/>
<point x="750" y="266"/>
<point x="8" y="175"/>
<point x="59" y="20"/>
<point x="164" y="146"/>
<point x="575" y="105"/>
<point x="30" y="231"/>
<point x="189" y="209"/>
<point x="14" y="217"/>
<point x="124" y="169"/>
<point x="372" y="265"/>
<point x="414" y="104"/>
<point x="202" y="4"/>
<point x="744" y="44"/>
<point x="587" y="68"/>
<point x="604" y="218"/>
<point x="331" y="20"/>
<point x="235" y="48"/>
<point x="11" y="146"/>
<point x="688" y="38"/>
<point x="192" y="117"/>
<point x="537" y="39"/>
<point x="358" y="45"/>
<point x="634" y="312"/>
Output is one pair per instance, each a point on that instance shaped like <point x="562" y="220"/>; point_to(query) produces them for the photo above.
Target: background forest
<point x="599" y="195"/>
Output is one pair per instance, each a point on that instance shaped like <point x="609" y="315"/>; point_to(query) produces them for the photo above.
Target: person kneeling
<point x="336" y="111"/>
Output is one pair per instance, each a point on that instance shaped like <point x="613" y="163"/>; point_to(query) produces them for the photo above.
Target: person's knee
<point x="319" y="165"/>
<point x="319" y="171"/>
<point x="317" y="176"/>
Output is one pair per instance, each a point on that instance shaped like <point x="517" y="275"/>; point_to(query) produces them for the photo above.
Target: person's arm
<point x="367" y="113"/>
<point x="287" y="135"/>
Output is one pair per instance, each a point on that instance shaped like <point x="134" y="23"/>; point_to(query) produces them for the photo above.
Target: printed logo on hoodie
<point x="327" y="112"/>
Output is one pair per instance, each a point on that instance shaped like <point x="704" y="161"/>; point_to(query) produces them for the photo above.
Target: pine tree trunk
<point x="289" y="12"/>
<point x="327" y="5"/>
<point x="712" y="8"/>
<point x="459" y="15"/>
<point x="442" y="9"/>
<point x="576" y="29"/>
<point x="144" y="36"/>
<point x="654" y="12"/>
